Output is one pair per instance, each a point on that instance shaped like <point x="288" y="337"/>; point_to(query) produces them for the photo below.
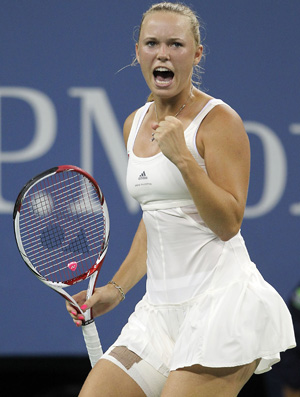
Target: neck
<point x="172" y="108"/>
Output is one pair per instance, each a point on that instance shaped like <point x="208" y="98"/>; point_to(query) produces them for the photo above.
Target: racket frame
<point x="88" y="326"/>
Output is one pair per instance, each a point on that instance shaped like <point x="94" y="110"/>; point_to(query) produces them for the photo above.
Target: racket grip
<point x="92" y="342"/>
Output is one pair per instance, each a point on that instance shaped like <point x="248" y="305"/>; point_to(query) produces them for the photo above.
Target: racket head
<point x="61" y="225"/>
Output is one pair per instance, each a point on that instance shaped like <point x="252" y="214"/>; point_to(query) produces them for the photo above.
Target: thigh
<point x="108" y="380"/>
<point x="209" y="382"/>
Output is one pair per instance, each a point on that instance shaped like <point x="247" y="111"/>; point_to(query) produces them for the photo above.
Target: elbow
<point x="228" y="235"/>
<point x="229" y="232"/>
<point x="226" y="224"/>
<point x="231" y="226"/>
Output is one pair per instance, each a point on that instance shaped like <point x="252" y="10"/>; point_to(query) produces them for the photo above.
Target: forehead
<point x="165" y="23"/>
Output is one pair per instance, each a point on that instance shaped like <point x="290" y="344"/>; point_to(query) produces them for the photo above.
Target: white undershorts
<point x="147" y="377"/>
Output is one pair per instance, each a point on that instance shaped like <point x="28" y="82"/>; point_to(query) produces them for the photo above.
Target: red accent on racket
<point x="61" y="225"/>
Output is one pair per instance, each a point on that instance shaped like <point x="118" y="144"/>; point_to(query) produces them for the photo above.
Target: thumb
<point x="89" y="303"/>
<point x="154" y="125"/>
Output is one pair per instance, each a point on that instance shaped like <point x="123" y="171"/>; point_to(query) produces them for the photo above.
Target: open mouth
<point x="163" y="76"/>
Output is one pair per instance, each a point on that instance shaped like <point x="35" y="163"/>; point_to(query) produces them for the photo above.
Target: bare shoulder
<point x="127" y="126"/>
<point x="222" y="127"/>
<point x="223" y="116"/>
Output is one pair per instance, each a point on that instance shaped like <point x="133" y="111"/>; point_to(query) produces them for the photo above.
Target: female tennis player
<point x="208" y="320"/>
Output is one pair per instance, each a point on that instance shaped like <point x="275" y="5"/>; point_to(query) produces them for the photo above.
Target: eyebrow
<point x="168" y="39"/>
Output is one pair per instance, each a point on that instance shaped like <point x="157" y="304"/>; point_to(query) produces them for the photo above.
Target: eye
<point x="150" y="43"/>
<point x="176" y="44"/>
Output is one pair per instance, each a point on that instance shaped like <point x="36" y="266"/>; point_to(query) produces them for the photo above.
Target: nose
<point x="163" y="53"/>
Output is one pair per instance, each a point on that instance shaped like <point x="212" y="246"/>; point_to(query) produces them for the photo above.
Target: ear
<point x="198" y="54"/>
<point x="137" y="52"/>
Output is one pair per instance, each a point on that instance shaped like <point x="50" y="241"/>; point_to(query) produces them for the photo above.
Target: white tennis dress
<point x="206" y="303"/>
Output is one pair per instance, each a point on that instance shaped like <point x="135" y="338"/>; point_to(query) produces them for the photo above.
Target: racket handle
<point x="92" y="342"/>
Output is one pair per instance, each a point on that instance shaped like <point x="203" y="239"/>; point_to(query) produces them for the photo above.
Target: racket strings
<point x="62" y="221"/>
<point x="56" y="260"/>
<point x="41" y="200"/>
<point x="56" y="236"/>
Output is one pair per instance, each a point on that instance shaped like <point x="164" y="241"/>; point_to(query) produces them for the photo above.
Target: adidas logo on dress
<point x="143" y="176"/>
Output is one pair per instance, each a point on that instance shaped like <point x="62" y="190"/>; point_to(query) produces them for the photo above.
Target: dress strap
<point x="204" y="112"/>
<point x="191" y="131"/>
<point x="137" y="121"/>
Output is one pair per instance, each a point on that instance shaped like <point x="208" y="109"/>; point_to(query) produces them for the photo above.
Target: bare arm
<point x="134" y="266"/>
<point x="220" y="195"/>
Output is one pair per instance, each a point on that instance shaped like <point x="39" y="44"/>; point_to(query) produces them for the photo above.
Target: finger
<point x="79" y="298"/>
<point x="78" y="323"/>
<point x="78" y="319"/>
<point x="71" y="309"/>
<point x="74" y="313"/>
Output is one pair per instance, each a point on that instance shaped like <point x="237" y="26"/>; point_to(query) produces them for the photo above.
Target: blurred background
<point x="65" y="92"/>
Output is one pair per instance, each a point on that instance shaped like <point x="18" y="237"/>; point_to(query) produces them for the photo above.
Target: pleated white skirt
<point x="227" y="327"/>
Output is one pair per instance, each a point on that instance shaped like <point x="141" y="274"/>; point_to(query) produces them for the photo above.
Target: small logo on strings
<point x="72" y="266"/>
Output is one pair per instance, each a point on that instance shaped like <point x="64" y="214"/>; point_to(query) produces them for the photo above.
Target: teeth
<point x="162" y="70"/>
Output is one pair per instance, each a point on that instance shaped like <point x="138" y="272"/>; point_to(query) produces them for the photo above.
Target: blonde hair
<point x="181" y="9"/>
<point x="178" y="8"/>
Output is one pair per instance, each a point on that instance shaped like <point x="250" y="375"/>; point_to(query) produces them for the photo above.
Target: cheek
<point x="145" y="60"/>
<point x="145" y="55"/>
<point x="146" y="69"/>
<point x="187" y="64"/>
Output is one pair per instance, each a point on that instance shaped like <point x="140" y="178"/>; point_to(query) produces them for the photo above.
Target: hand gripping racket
<point x="61" y="226"/>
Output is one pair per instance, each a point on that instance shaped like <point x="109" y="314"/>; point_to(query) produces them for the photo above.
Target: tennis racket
<point x="61" y="225"/>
